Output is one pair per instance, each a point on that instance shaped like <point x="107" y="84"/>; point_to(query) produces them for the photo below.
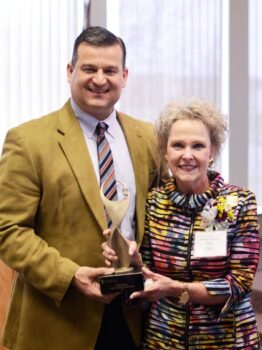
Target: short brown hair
<point x="100" y="37"/>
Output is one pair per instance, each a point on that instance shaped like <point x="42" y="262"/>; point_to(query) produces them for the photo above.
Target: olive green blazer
<point x="51" y="222"/>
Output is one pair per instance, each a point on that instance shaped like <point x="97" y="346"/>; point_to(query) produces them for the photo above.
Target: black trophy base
<point x="119" y="282"/>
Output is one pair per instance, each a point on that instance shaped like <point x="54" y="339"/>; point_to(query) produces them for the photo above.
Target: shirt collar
<point x="88" y="122"/>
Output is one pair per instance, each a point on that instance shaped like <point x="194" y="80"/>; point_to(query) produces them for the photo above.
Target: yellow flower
<point x="219" y="212"/>
<point x="230" y="215"/>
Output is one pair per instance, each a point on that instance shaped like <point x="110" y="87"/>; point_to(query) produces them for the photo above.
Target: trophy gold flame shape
<point x="116" y="210"/>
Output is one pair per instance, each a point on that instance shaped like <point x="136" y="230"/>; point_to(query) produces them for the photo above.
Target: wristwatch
<point x="184" y="296"/>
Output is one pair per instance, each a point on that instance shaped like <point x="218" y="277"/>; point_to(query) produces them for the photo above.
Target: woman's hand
<point x="110" y="254"/>
<point x="156" y="286"/>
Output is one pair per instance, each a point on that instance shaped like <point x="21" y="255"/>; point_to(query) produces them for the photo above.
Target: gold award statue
<point x="125" y="276"/>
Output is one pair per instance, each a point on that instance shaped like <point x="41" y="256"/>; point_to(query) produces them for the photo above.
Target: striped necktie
<point x="106" y="165"/>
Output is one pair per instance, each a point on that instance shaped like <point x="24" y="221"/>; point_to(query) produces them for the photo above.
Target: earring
<point x="165" y="157"/>
<point x="211" y="162"/>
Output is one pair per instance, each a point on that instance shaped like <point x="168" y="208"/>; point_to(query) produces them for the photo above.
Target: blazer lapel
<point x="139" y="160"/>
<point x="73" y="144"/>
<point x="74" y="147"/>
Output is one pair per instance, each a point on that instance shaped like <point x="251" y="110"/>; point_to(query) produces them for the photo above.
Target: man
<point x="52" y="216"/>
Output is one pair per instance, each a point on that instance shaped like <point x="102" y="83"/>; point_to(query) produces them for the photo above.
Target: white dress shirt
<point x="122" y="161"/>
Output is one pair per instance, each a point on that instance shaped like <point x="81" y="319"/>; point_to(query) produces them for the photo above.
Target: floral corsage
<point x="218" y="213"/>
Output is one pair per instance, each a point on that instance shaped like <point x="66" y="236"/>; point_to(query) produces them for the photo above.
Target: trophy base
<point x="121" y="281"/>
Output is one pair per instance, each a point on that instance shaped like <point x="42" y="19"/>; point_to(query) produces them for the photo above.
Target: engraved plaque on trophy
<point x="125" y="276"/>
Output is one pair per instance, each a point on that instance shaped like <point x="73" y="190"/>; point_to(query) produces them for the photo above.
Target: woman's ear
<point x="211" y="161"/>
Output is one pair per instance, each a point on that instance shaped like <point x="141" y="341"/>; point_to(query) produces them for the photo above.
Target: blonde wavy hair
<point x="192" y="108"/>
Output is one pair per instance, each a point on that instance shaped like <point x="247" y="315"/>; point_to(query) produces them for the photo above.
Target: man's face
<point x="97" y="79"/>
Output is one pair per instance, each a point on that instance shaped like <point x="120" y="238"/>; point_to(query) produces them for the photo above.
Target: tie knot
<point x="101" y="128"/>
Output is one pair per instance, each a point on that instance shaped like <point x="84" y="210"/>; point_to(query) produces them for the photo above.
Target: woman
<point x="201" y="241"/>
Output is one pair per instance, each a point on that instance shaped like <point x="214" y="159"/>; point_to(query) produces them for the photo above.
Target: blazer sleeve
<point x="20" y="246"/>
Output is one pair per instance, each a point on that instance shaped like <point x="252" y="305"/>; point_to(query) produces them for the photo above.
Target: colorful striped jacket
<point x="171" y="222"/>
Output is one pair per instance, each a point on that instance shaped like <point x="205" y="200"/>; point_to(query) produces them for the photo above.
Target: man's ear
<point x="69" y="69"/>
<point x="125" y="76"/>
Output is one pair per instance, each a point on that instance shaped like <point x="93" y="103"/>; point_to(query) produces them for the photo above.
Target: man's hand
<point x="85" y="280"/>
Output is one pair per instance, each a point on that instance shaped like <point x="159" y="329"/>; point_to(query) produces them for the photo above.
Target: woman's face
<point x="188" y="154"/>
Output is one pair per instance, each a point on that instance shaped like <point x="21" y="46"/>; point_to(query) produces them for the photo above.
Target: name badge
<point x="210" y="244"/>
